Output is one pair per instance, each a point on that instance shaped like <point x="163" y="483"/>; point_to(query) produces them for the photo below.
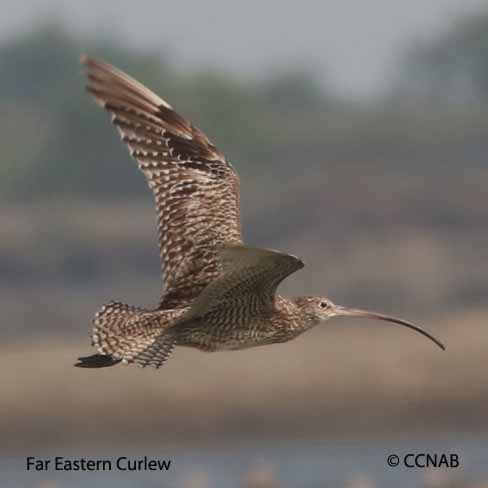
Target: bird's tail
<point x="129" y="334"/>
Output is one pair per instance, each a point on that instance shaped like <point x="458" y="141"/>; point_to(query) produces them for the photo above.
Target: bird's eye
<point x="324" y="304"/>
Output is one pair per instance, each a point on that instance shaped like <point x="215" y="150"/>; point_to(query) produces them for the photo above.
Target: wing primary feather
<point x="195" y="188"/>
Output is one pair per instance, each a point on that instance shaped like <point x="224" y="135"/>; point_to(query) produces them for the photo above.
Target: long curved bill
<point x="355" y="312"/>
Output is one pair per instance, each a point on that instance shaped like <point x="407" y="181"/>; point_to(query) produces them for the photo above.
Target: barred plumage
<point x="217" y="293"/>
<point x="126" y="332"/>
<point x="196" y="190"/>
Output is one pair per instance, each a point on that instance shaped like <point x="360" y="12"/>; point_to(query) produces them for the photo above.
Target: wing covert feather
<point x="248" y="283"/>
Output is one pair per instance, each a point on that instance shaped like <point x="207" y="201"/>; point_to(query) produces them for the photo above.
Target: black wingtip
<point x="97" y="361"/>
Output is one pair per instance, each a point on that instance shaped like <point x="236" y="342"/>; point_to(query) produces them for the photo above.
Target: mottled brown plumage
<point x="218" y="294"/>
<point x="196" y="190"/>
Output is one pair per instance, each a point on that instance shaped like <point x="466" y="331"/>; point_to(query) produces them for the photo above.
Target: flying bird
<point x="218" y="293"/>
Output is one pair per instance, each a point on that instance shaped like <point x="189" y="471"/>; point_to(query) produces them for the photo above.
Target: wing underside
<point x="196" y="190"/>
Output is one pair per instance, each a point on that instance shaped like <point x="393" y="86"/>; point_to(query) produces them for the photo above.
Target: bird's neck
<point x="296" y="315"/>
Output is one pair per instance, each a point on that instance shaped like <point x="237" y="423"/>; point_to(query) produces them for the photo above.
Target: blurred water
<point x="307" y="466"/>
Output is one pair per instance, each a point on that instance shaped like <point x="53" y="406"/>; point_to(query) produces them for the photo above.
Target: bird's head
<point x="319" y="309"/>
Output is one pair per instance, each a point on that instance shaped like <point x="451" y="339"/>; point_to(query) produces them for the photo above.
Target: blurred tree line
<point x="451" y="67"/>
<point x="56" y="143"/>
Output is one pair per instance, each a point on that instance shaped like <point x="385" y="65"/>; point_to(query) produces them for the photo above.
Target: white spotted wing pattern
<point x="196" y="190"/>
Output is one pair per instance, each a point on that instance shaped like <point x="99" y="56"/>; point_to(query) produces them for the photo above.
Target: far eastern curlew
<point x="219" y="294"/>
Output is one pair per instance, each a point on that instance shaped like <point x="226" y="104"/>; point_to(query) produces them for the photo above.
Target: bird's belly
<point x="231" y="340"/>
<point x="243" y="341"/>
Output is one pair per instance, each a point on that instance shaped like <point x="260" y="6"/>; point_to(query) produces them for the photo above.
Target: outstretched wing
<point x="195" y="188"/>
<point x="246" y="288"/>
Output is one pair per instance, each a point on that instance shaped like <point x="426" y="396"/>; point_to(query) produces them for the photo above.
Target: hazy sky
<point x="350" y="42"/>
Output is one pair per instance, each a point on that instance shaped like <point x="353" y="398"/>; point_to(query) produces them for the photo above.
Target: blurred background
<point x="360" y="131"/>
